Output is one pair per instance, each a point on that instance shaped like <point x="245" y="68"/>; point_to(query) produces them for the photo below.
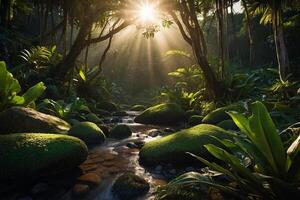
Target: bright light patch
<point x="147" y="13"/>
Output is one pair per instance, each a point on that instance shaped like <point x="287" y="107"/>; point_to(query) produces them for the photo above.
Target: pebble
<point x="131" y="145"/>
<point x="91" y="179"/>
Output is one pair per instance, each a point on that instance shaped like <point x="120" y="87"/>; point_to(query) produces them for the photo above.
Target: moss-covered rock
<point x="162" y="114"/>
<point x="108" y="106"/>
<point x="34" y="154"/>
<point x="129" y="186"/>
<point x="195" y="120"/>
<point x="228" y="125"/>
<point x="120" y="131"/>
<point x="220" y="114"/>
<point x="22" y="120"/>
<point x="138" y="108"/>
<point x="91" y="117"/>
<point x="89" y="132"/>
<point x="173" y="148"/>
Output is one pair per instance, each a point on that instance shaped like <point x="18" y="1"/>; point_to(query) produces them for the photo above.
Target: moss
<point x="195" y="119"/>
<point x="220" y="114"/>
<point x="138" y="108"/>
<point x="228" y="125"/>
<point x="173" y="148"/>
<point x="27" y="120"/>
<point x="120" y="131"/>
<point x="130" y="186"/>
<point x="162" y="114"/>
<point x="91" y="117"/>
<point x="29" y="154"/>
<point x="89" y="132"/>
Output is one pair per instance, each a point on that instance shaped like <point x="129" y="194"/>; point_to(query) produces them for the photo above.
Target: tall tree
<point x="272" y="11"/>
<point x="185" y="14"/>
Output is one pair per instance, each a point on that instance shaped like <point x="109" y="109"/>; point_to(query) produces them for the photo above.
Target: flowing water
<point x="115" y="157"/>
<point x="103" y="165"/>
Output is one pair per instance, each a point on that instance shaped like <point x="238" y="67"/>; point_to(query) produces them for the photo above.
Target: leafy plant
<point x="10" y="87"/>
<point x="273" y="172"/>
<point x="64" y="110"/>
<point x="40" y="57"/>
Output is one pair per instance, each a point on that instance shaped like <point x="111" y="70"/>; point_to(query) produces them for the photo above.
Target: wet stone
<point x="131" y="145"/>
<point x="91" y="179"/>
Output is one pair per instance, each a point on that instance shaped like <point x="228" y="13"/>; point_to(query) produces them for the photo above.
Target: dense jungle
<point x="149" y="99"/>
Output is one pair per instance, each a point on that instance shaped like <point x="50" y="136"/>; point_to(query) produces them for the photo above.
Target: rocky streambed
<point x="94" y="178"/>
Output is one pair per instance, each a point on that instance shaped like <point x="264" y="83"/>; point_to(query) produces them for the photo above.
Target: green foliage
<point x="40" y="57"/>
<point x="274" y="173"/>
<point x="10" y="87"/>
<point x="61" y="109"/>
<point x="90" y="84"/>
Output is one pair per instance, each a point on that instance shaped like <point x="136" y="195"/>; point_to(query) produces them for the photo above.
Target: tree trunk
<point x="250" y="35"/>
<point x="68" y="62"/>
<point x="281" y="50"/>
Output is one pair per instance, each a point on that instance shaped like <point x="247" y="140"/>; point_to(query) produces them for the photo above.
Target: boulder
<point x="39" y="154"/>
<point x="22" y="120"/>
<point x="220" y="114"/>
<point x="108" y="106"/>
<point x="89" y="132"/>
<point x="195" y="120"/>
<point x="228" y="125"/>
<point x="162" y="114"/>
<point x="129" y="186"/>
<point x="105" y="129"/>
<point x="172" y="149"/>
<point x="120" y="131"/>
<point x="138" y="108"/>
<point x="91" y="117"/>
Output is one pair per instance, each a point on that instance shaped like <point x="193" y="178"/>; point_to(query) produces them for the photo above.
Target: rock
<point x="22" y="120"/>
<point x="131" y="145"/>
<point x="138" y="108"/>
<point x="129" y="186"/>
<point x="163" y="114"/>
<point x="73" y="121"/>
<point x="139" y="144"/>
<point x="115" y="120"/>
<point x="89" y="132"/>
<point x="193" y="112"/>
<point x="120" y="131"/>
<point x="91" y="117"/>
<point x="120" y="113"/>
<point x="80" y="190"/>
<point x="169" y="130"/>
<point x="108" y="106"/>
<point x="105" y="129"/>
<point x="228" y="125"/>
<point x="34" y="154"/>
<point x="102" y="112"/>
<point x="172" y="148"/>
<point x="153" y="133"/>
<point x="220" y="114"/>
<point x="195" y="120"/>
<point x="91" y="179"/>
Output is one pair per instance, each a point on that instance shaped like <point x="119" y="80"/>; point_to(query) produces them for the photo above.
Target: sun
<point x="147" y="13"/>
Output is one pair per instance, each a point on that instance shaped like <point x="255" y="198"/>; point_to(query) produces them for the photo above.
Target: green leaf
<point x="33" y="93"/>
<point x="82" y="75"/>
<point x="268" y="139"/>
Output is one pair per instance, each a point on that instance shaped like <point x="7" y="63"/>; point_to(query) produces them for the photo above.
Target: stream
<point x="104" y="164"/>
<point x="115" y="157"/>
